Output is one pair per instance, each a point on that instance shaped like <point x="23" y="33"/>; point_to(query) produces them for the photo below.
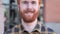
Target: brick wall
<point x="52" y="11"/>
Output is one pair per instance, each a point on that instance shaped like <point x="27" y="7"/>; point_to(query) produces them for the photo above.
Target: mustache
<point x="31" y="11"/>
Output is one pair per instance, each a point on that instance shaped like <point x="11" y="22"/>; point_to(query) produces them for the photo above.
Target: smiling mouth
<point x="29" y="14"/>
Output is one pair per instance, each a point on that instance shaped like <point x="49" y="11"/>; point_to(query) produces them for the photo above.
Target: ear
<point x="39" y="5"/>
<point x="18" y="7"/>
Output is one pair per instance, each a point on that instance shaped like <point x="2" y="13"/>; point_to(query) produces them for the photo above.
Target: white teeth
<point x="29" y="14"/>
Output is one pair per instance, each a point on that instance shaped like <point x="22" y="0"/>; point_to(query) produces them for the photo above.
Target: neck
<point x="29" y="26"/>
<point x="35" y="21"/>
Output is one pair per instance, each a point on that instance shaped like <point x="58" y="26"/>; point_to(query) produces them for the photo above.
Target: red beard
<point x="29" y="19"/>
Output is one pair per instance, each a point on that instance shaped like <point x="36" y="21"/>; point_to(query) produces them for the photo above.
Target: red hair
<point x="18" y="1"/>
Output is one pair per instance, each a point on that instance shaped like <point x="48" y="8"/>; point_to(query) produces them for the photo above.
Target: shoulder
<point x="14" y="29"/>
<point x="44" y="28"/>
<point x="50" y="30"/>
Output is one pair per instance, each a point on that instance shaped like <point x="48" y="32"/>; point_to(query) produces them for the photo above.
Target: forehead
<point x="29" y="0"/>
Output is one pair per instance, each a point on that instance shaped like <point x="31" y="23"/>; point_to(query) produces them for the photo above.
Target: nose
<point x="29" y="7"/>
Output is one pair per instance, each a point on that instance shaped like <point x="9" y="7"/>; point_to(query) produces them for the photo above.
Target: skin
<point x="29" y="10"/>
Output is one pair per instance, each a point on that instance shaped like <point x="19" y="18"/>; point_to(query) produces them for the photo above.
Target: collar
<point x="37" y="27"/>
<point x="29" y="26"/>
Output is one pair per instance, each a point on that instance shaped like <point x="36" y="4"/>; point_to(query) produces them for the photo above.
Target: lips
<point x="29" y="14"/>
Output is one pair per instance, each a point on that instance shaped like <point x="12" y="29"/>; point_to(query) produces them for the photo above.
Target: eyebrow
<point x="33" y="1"/>
<point x="24" y="2"/>
<point x="27" y="1"/>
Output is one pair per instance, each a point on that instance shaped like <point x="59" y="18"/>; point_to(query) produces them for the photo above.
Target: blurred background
<point x="49" y="14"/>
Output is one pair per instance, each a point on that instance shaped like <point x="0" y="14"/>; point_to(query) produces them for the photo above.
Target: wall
<point x="52" y="11"/>
<point x="52" y="15"/>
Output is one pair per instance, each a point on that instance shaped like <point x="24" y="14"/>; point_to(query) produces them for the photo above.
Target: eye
<point x="25" y="2"/>
<point x="33" y="2"/>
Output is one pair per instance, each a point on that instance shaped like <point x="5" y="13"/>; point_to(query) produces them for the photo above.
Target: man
<point x="29" y="12"/>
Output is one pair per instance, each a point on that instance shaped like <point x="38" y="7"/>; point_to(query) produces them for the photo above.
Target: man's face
<point x="29" y="10"/>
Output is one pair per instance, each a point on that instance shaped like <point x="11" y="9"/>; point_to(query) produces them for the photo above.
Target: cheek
<point x="36" y="15"/>
<point x="23" y="7"/>
<point x="36" y="7"/>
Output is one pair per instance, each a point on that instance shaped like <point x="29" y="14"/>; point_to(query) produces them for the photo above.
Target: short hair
<point x="18" y="1"/>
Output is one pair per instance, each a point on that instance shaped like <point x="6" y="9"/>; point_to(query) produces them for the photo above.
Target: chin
<point x="28" y="20"/>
